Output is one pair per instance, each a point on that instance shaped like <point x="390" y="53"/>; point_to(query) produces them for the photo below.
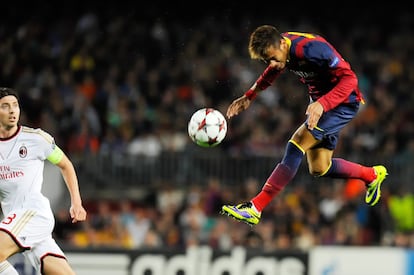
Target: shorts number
<point x="9" y="219"/>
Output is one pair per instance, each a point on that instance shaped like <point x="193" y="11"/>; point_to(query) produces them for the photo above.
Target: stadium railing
<point x="111" y="173"/>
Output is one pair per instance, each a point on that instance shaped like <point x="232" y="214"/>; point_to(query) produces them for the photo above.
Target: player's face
<point x="277" y="55"/>
<point x="9" y="112"/>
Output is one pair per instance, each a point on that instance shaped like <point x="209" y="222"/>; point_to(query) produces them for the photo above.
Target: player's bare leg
<point x="7" y="246"/>
<point x="56" y="266"/>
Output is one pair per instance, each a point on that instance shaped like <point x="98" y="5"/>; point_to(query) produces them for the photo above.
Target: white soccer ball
<point x="207" y="127"/>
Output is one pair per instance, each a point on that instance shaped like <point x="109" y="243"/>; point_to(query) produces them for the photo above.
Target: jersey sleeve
<point x="348" y="83"/>
<point x="267" y="78"/>
<point x="46" y="143"/>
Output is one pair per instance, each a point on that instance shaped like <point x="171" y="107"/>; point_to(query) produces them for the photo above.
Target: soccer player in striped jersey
<point x="334" y="100"/>
<point x="28" y="220"/>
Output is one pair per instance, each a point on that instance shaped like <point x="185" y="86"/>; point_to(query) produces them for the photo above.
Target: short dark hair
<point x="5" y="91"/>
<point x="261" y="39"/>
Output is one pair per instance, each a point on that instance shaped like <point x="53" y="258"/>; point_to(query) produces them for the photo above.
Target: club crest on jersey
<point x="22" y="151"/>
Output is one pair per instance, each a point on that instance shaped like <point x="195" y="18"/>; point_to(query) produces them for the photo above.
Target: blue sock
<point x="293" y="156"/>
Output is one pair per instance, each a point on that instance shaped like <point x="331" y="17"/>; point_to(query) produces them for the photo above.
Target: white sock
<point x="255" y="209"/>
<point x="7" y="269"/>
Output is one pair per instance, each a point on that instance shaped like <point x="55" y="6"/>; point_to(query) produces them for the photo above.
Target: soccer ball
<point x="207" y="127"/>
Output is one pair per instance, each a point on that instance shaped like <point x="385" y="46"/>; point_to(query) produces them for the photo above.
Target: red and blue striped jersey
<point x="329" y="78"/>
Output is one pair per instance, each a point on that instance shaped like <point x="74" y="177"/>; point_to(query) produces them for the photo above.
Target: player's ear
<point x="283" y="44"/>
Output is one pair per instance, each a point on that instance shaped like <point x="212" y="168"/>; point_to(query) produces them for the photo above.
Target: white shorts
<point x="32" y="231"/>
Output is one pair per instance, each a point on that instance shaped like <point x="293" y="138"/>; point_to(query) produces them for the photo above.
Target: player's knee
<point x="316" y="171"/>
<point x="56" y="265"/>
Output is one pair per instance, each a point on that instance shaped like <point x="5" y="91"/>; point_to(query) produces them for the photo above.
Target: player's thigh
<point x="56" y="266"/>
<point x="304" y="138"/>
<point x="7" y="246"/>
<point x="319" y="160"/>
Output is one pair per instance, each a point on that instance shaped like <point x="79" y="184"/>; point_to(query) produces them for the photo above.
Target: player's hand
<point x="77" y="213"/>
<point x="314" y="113"/>
<point x="238" y="105"/>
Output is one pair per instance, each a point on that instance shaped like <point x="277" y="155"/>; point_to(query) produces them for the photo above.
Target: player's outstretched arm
<point x="77" y="212"/>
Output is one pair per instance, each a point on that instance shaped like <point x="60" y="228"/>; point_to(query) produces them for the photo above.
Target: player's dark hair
<point x="4" y="91"/>
<point x="261" y="39"/>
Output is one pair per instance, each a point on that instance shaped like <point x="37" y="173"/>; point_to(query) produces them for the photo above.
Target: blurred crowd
<point x="126" y="83"/>
<point x="300" y="218"/>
